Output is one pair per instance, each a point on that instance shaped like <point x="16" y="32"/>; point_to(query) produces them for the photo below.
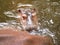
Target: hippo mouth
<point x="29" y="29"/>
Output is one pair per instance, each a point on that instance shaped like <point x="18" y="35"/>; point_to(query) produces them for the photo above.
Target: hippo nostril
<point x="24" y="18"/>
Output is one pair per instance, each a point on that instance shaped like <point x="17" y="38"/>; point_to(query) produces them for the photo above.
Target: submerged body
<point x="14" y="37"/>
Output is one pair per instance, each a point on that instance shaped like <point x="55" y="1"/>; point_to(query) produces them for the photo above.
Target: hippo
<point x="28" y="19"/>
<point x="11" y="36"/>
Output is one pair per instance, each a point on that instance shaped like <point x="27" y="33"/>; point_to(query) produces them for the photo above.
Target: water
<point x="48" y="12"/>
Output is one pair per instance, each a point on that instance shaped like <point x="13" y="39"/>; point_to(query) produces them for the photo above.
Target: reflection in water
<point x="11" y="14"/>
<point x="51" y="21"/>
<point x="19" y="5"/>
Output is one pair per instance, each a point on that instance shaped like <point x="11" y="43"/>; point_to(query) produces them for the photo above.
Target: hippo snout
<point x="31" y="27"/>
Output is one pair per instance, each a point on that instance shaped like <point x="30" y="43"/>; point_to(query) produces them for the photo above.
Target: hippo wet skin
<point x="15" y="37"/>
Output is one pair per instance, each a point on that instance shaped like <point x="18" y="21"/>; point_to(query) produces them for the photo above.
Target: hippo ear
<point x="19" y="11"/>
<point x="33" y="12"/>
<point x="34" y="9"/>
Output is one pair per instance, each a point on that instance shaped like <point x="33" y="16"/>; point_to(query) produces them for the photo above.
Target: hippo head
<point x="28" y="18"/>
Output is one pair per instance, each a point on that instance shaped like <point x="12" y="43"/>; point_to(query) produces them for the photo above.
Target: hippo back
<point x="14" y="37"/>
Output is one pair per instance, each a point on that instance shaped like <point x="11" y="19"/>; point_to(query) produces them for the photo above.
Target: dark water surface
<point x="48" y="13"/>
